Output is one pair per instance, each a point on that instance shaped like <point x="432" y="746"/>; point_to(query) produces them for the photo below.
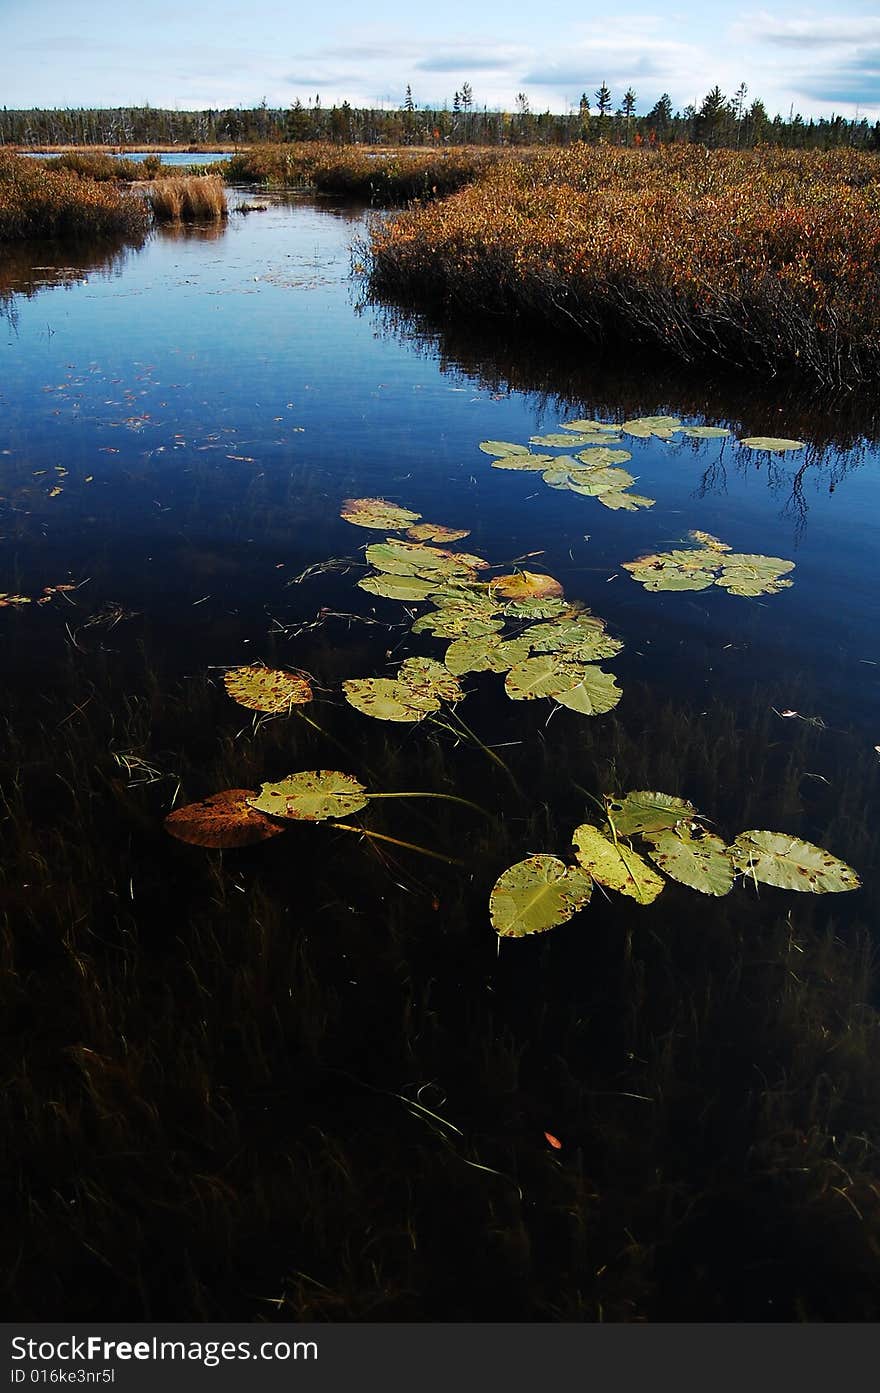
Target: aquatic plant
<point x="711" y="562"/>
<point x="39" y="202"/>
<point x="762" y="259"/>
<point x="593" y="471"/>
<point x="188" y="199"/>
<point x="542" y="891"/>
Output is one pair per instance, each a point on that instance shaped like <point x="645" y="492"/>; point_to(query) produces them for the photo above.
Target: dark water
<point x="204" y="404"/>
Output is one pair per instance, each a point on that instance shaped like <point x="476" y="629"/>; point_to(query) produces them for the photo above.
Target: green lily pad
<point x="772" y="442"/>
<point x="526" y="462"/>
<point x="311" y="796"/>
<point x="436" y="532"/>
<point x="775" y="858"/>
<point x="385" y="699"/>
<point x="712" y="563"/>
<point x="698" y="859"/>
<point x="456" y="623"/>
<point x="625" y="502"/>
<point x="580" y="686"/>
<point x="427" y="677"/>
<point x="558" y="438"/>
<point x="617" y="867"/>
<point x="378" y="513"/>
<point x="397" y="587"/>
<point x="600" y="455"/>
<point x="641" y="812"/>
<point x="267" y="689"/>
<point x="502" y="447"/>
<point x="590" y="427"/>
<point x="705" y="432"/>
<point x="593" y="482"/>
<point x="546" y="608"/>
<point x="537" y="894"/>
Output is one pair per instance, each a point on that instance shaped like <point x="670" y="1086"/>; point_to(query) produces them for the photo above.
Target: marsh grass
<point x="764" y="260"/>
<point x="45" y="203"/>
<point x="208" y="1056"/>
<point x="200" y="198"/>
<point x="380" y="177"/>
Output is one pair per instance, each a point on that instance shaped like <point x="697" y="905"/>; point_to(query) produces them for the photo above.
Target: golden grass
<point x="40" y="202"/>
<point x="767" y="260"/>
<point x="375" y="175"/>
<point x="188" y="199"/>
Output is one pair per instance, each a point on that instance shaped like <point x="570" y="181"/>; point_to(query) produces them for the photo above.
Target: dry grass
<point x="40" y="202"/>
<point x="766" y="260"/>
<point x="188" y="199"/>
<point x="379" y="176"/>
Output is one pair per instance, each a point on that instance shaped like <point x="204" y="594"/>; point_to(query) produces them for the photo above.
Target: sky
<point x="195" y="54"/>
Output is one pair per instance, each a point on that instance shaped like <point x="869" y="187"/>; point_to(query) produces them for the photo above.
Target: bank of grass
<point x="40" y="202"/>
<point x="384" y="177"/>
<point x="199" y="198"/>
<point x="98" y="164"/>
<point x="765" y="260"/>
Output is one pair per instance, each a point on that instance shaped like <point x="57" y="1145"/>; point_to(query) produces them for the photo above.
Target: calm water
<point x="180" y="426"/>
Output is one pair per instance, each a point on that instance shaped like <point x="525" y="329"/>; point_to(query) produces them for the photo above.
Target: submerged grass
<point x="39" y="202"/>
<point x="298" y="1083"/>
<point x="766" y="260"/>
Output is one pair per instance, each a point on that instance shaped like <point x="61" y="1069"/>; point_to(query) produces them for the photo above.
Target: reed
<point x="40" y="202"/>
<point x="188" y="199"/>
<point x="763" y="260"/>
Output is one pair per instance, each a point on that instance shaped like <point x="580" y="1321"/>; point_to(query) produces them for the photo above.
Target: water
<point x="173" y="158"/>
<point x="181" y="424"/>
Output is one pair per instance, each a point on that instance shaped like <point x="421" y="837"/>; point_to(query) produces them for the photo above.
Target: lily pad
<point x="537" y="894"/>
<point x="436" y="532"/>
<point x="643" y="427"/>
<point x="397" y="587"/>
<point x="559" y="438"/>
<point x="427" y="677"/>
<point x="705" y="432"/>
<point x="580" y="686"/>
<point x="712" y="563"/>
<point x="641" y="812"/>
<point x="266" y="689"/>
<point x="593" y="482"/>
<point x="698" y="859"/>
<point x="775" y="858"/>
<point x="617" y="867"/>
<point x="590" y="427"/>
<point x="456" y="623"/>
<point x="547" y="608"/>
<point x="526" y="462"/>
<point x="378" y="513"/>
<point x="311" y="796"/>
<point x="602" y="455"/>
<point x="385" y="699"/>
<point x="772" y="442"/>
<point x="502" y="447"/>
<point x="625" y="502"/>
<point x="488" y="654"/>
<point x="224" y="820"/>
<point x="525" y="585"/>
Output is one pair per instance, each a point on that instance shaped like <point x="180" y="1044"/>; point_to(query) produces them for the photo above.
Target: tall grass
<point x="40" y="202"/>
<point x="97" y="164"/>
<point x="766" y="260"/>
<point x="188" y="199"/>
<point x="381" y="177"/>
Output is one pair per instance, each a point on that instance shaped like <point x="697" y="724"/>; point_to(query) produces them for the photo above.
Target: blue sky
<point x="195" y="54"/>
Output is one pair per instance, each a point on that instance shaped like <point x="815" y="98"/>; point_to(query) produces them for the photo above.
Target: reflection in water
<point x="28" y="268"/>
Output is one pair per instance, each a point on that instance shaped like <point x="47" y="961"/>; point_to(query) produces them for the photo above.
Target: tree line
<point x="731" y="122"/>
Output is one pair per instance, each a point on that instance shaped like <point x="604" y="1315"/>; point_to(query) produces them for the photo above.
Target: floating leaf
<point x="502" y="447"/>
<point x="6" y="600"/>
<point x="648" y="812"/>
<point x="627" y="502"/>
<point x="535" y="895"/>
<point x="546" y="608"/>
<point x="487" y="654"/>
<point x="775" y="858"/>
<point x="377" y="512"/>
<point x="558" y="438"/>
<point x="525" y="462"/>
<point x="711" y="564"/>
<point x="525" y="585"/>
<point x="397" y="587"/>
<point x="456" y="623"/>
<point x="311" y="796"/>
<point x="427" y="677"/>
<point x="583" y="642"/>
<point x="266" y="689"/>
<point x="643" y="427"/>
<point x="707" y="540"/>
<point x="743" y="574"/>
<point x="590" y="427"/>
<point x="601" y="455"/>
<point x="771" y="442"/>
<point x="582" y="687"/>
<point x="436" y="532"/>
<point x="223" y="820"/>
<point x="593" y="482"/>
<point x="705" y="432"/>
<point x="617" y="867"/>
<point x="698" y="859"/>
<point x="385" y="699"/>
